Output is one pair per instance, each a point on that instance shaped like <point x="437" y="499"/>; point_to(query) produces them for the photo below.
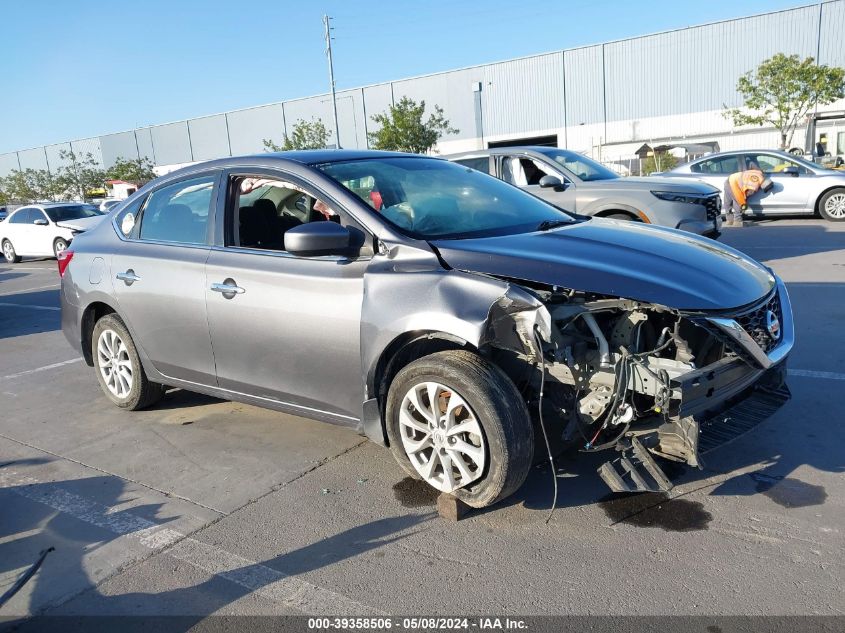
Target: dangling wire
<point x="542" y="422"/>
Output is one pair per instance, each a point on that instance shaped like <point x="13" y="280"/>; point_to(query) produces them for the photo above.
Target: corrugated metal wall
<point x="524" y="94"/>
<point x="661" y="85"/>
<point x="831" y="48"/>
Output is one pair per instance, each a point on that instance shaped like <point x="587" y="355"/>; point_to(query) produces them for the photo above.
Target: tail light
<point x="64" y="259"/>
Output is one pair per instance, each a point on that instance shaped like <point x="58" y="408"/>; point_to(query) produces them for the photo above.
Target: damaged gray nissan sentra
<point x="442" y="312"/>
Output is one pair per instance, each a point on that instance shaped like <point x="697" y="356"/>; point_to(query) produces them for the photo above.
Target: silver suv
<point x="579" y="184"/>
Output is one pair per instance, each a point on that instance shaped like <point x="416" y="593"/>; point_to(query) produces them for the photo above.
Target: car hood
<point x="81" y="224"/>
<point x="651" y="183"/>
<point x="624" y="259"/>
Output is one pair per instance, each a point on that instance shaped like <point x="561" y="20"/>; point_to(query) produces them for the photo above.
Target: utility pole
<point x="331" y="77"/>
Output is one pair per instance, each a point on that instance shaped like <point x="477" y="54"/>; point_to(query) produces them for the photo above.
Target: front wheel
<point x="832" y="205"/>
<point x="458" y="422"/>
<point x="9" y="253"/>
<point x="59" y="246"/>
<point x="621" y="216"/>
<point x="118" y="367"/>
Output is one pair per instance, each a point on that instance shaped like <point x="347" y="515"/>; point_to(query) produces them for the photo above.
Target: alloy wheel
<point x="835" y="206"/>
<point x="8" y="251"/>
<point x="59" y="247"/>
<point x="441" y="436"/>
<point x="114" y="363"/>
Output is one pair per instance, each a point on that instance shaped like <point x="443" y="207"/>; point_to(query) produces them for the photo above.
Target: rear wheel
<point x="458" y="422"/>
<point x="832" y="205"/>
<point x="9" y="253"/>
<point x="118" y="367"/>
<point x="59" y="246"/>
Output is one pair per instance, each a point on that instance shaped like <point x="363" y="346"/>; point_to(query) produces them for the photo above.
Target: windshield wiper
<point x="547" y="225"/>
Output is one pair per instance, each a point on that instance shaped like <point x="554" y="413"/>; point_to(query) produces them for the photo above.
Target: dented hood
<point x="624" y="259"/>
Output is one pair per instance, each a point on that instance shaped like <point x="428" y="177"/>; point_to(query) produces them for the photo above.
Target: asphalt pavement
<point x="200" y="506"/>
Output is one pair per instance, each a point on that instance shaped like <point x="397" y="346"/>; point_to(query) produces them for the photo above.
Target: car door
<point x="526" y="171"/>
<point x="158" y="275"/>
<point x="289" y="330"/>
<point x="41" y="233"/>
<point x="16" y="230"/>
<point x="790" y="190"/>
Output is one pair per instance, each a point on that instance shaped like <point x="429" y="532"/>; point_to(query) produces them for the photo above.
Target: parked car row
<point x="455" y="317"/>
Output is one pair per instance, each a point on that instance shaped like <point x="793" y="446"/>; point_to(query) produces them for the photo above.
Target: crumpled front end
<point x="646" y="380"/>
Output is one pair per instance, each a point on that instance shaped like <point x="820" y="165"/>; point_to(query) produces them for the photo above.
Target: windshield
<point x="583" y="167"/>
<point x="429" y="198"/>
<point x="805" y="163"/>
<point x="72" y="212"/>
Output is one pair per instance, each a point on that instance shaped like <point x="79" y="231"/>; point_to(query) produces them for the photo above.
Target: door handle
<point x="129" y="277"/>
<point x="228" y="287"/>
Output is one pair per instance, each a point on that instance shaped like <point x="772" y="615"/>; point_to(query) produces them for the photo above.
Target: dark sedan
<point x="438" y="310"/>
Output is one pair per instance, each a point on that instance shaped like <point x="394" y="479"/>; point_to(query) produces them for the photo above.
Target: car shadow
<point x="79" y="517"/>
<point x="26" y="320"/>
<point x="767" y="239"/>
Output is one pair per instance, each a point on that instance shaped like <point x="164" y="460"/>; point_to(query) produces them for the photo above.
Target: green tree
<point x="658" y="161"/>
<point x="4" y="198"/>
<point x="79" y="175"/>
<point x="31" y="185"/>
<point x="138" y="171"/>
<point x="782" y="91"/>
<point x="311" y="134"/>
<point x="404" y="130"/>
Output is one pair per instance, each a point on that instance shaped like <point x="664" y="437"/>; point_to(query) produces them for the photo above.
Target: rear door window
<point x="179" y="212"/>
<point x="20" y="217"/>
<point x="725" y="165"/>
<point x="479" y="163"/>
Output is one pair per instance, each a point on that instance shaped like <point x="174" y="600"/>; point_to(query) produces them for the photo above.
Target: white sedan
<point x="44" y="230"/>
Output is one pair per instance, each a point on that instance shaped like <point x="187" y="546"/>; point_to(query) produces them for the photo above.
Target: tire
<point x="110" y="344"/>
<point x="59" y="245"/>
<point x="620" y="216"/>
<point x="832" y="205"/>
<point x="493" y="405"/>
<point x="9" y="253"/>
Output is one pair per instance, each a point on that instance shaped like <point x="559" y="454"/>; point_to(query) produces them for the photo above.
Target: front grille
<point x="755" y="322"/>
<point x="713" y="206"/>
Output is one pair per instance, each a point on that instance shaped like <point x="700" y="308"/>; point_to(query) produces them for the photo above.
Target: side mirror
<point x="548" y="181"/>
<point x="792" y="170"/>
<point x="40" y="222"/>
<point x="318" y="238"/>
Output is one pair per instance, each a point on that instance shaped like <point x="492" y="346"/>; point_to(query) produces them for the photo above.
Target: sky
<point x="70" y="70"/>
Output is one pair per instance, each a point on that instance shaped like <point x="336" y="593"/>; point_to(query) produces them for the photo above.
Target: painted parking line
<point x="289" y="591"/>
<point x="809" y="373"/>
<point x="24" y="290"/>
<point x="28" y="305"/>
<point x="40" y="369"/>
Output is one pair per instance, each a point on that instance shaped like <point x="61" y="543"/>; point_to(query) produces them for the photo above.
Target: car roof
<point x="539" y="149"/>
<point x="742" y="151"/>
<point x="302" y="157"/>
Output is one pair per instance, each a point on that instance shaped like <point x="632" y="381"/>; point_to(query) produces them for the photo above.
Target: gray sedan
<point x="579" y="184"/>
<point x="438" y="310"/>
<point x="800" y="187"/>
